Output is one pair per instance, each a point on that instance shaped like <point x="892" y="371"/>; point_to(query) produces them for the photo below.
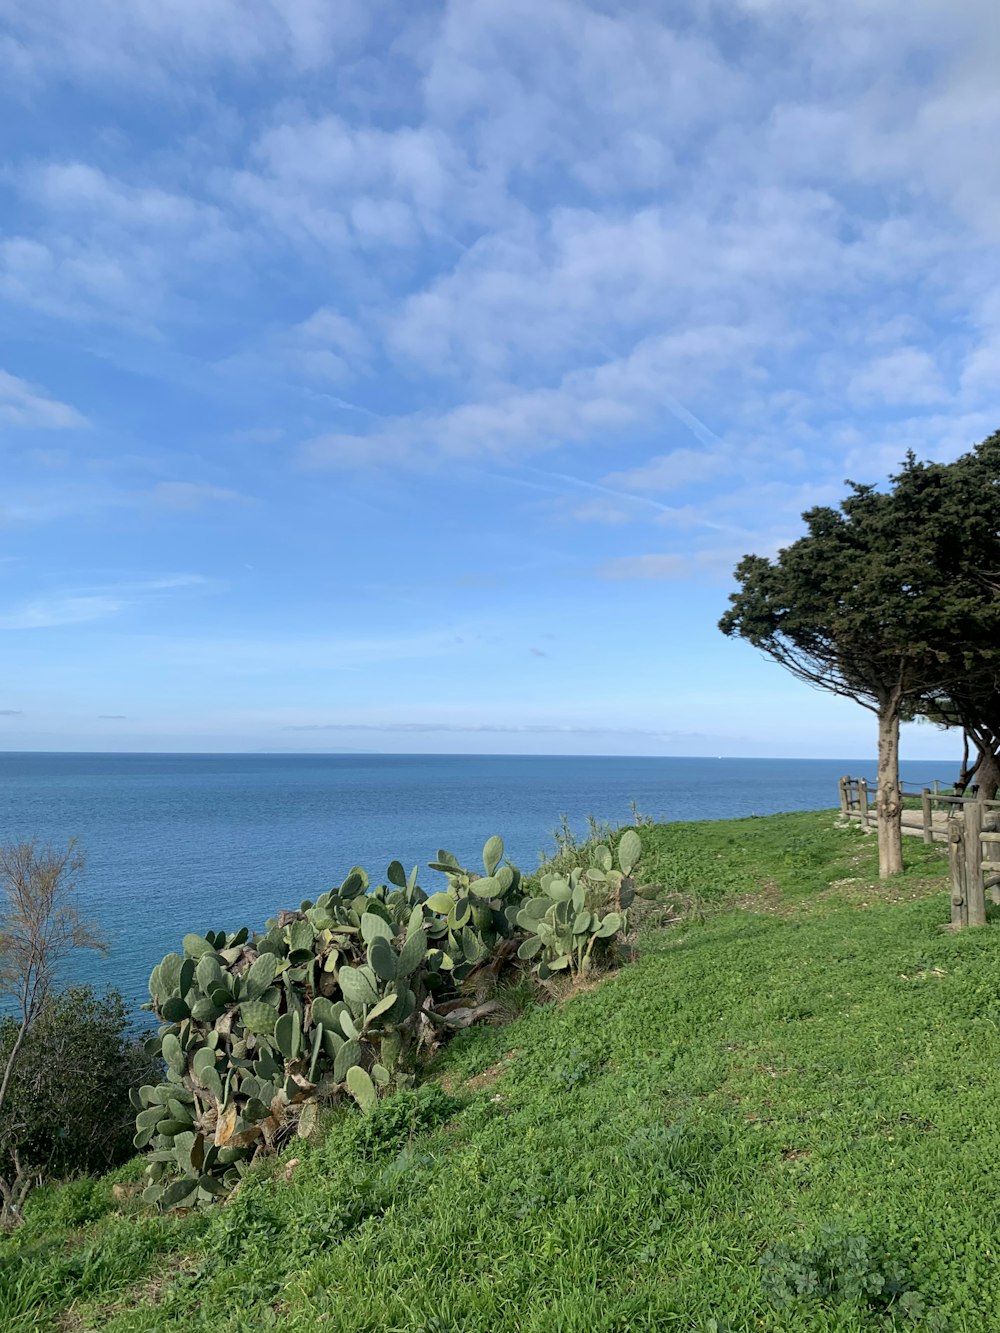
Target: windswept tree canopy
<point x="895" y="595"/>
<point x="893" y="600"/>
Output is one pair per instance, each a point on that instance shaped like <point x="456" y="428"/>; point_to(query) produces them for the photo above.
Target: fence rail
<point x="969" y="825"/>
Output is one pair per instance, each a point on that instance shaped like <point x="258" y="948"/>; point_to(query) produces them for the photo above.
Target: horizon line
<point x="458" y="754"/>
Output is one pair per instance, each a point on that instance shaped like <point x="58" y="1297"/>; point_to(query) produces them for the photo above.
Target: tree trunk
<point x="965" y="774"/>
<point x="15" y="1051"/>
<point x="988" y="774"/>
<point x="888" y="802"/>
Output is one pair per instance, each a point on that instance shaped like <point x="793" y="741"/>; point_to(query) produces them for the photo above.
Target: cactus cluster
<point x="475" y="913"/>
<point x="255" y="1030"/>
<point x="564" y="921"/>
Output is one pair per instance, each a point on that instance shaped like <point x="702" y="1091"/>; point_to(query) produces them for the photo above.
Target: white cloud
<point x="107" y="248"/>
<point x="562" y="90"/>
<point x="874" y="454"/>
<point x="22" y="404"/>
<point x="599" y="401"/>
<point x="348" y="186"/>
<point x="76" y="188"/>
<point x="96" y="604"/>
<point x="334" y="329"/>
<point x="670" y="471"/>
<point x="560" y="292"/>
<point x="149" y="42"/>
<point x="69" y="278"/>
<point x="248" y="655"/>
<point x="908" y="375"/>
<point x="164" y="584"/>
<point x="568" y="226"/>
<point x="60" y="611"/>
<point x="492" y="728"/>
<point x="327" y="346"/>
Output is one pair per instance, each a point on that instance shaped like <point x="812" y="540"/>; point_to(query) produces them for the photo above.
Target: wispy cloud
<point x="11" y="712"/>
<point x="60" y="611"/>
<point x="670" y="471"/>
<point x="98" y="604"/>
<point x="23" y="404"/>
<point x="156" y="47"/>
<point x="610" y="396"/>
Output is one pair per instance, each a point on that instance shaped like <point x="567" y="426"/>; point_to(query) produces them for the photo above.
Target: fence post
<point x="863" y="802"/>
<point x="845" y="800"/>
<point x="937" y="787"/>
<point x="991" y="853"/>
<point x="956" y="865"/>
<point x="975" y="890"/>
<point x="925" y="808"/>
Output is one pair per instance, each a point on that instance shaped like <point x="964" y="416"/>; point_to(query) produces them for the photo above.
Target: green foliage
<point x="475" y="913"/>
<point x="67" y="1108"/>
<point x="572" y="913"/>
<point x="257" y="1029"/>
<point x="401" y="1119"/>
<point x="576" y="1071"/>
<point x="331" y="998"/>
<point x="362" y="1088"/>
<point x="885" y="595"/>
<point x="840" y="1269"/>
<point x="886" y="600"/>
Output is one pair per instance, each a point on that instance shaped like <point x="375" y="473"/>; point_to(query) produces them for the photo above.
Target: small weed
<point x="840" y="1269"/>
<point x="576" y="1071"/>
<point x="398" y="1120"/>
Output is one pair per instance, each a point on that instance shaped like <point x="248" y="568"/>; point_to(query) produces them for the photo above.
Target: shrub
<point x="67" y="1109"/>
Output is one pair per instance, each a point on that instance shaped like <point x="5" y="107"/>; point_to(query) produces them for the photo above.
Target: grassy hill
<point x="783" y="1115"/>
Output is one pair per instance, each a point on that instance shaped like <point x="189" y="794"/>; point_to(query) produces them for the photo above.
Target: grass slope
<point x="813" y="1062"/>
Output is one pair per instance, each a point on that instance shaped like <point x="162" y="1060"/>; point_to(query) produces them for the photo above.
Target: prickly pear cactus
<point x="474" y="913"/>
<point x="569" y="916"/>
<point x="254" y="1030"/>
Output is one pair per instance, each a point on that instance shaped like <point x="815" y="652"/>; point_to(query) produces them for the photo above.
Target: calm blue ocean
<point x="192" y="842"/>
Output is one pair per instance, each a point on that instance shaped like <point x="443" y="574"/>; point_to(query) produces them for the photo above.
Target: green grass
<point x="815" y="1053"/>
<point x="799" y="855"/>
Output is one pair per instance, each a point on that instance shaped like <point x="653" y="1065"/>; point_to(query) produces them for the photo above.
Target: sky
<point x="411" y="376"/>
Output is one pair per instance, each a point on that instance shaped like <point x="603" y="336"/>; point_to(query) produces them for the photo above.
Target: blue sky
<point x="395" y="376"/>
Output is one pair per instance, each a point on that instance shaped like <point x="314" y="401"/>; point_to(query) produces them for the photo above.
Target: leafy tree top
<point x="892" y="595"/>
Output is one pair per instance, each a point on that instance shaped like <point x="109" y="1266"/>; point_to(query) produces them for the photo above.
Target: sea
<point x="190" y="842"/>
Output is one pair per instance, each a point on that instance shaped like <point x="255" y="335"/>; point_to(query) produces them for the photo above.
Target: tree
<point x="971" y="649"/>
<point x="892" y="600"/>
<point x="975" y="710"/>
<point x="40" y="926"/>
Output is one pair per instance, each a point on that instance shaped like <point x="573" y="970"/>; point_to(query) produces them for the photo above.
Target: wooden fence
<point x="968" y="824"/>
